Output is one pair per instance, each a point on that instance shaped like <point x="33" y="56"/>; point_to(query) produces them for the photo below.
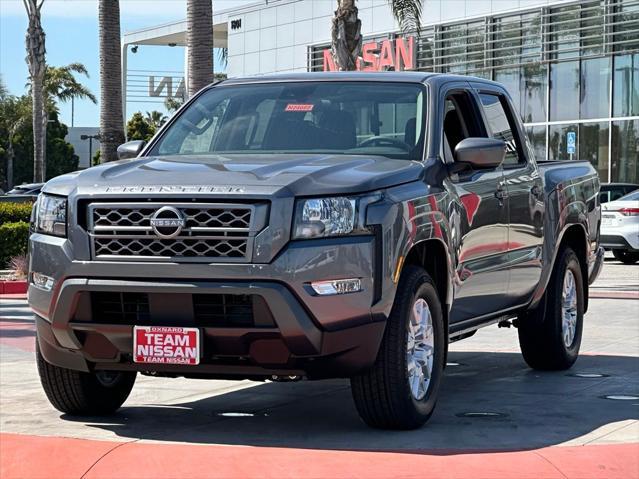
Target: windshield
<point x="356" y="118"/>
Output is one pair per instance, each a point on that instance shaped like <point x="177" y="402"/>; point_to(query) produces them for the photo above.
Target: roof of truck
<point x="390" y="76"/>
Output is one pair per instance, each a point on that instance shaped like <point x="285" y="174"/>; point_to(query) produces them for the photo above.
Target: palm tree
<point x="15" y="112"/>
<point x="346" y="36"/>
<point x="111" y="116"/>
<point x="35" y="45"/>
<point x="156" y="119"/>
<point x="60" y="84"/>
<point x="199" y="41"/>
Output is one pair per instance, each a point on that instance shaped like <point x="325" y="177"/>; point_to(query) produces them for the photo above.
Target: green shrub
<point x="13" y="240"/>
<point x="14" y="212"/>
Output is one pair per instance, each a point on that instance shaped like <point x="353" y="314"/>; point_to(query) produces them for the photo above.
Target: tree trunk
<point x="35" y="45"/>
<point x="10" y="157"/>
<point x="346" y="44"/>
<point x="45" y="124"/>
<point x="199" y="40"/>
<point x="111" y="117"/>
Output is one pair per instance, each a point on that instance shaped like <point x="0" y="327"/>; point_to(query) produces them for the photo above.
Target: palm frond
<point x="408" y="14"/>
<point x="77" y="67"/>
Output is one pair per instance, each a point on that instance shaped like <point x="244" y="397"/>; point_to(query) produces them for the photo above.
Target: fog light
<point x="337" y="286"/>
<point x="42" y="281"/>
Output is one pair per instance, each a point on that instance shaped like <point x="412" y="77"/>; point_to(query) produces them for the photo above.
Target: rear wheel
<point x="550" y="336"/>
<point x="400" y="390"/>
<point x="79" y="393"/>
<point x="626" y="257"/>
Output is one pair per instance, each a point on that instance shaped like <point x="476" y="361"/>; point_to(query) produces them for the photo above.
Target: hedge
<point x="14" y="212"/>
<point x="13" y="240"/>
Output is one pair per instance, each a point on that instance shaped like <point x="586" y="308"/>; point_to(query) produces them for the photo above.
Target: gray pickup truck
<point x="313" y="226"/>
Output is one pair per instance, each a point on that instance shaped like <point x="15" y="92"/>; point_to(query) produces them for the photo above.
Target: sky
<point x="71" y="28"/>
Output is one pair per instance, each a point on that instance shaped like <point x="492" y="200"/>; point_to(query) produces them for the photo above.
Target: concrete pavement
<point x="544" y="424"/>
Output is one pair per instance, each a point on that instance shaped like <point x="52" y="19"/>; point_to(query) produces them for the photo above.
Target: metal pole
<point x="125" y="47"/>
<point x="90" y="151"/>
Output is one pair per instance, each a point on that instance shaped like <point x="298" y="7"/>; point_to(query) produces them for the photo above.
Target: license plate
<point x="607" y="221"/>
<point x="166" y="345"/>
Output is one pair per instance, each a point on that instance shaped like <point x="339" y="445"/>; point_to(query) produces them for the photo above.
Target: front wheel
<point x="400" y="390"/>
<point x="626" y="257"/>
<point x="80" y="393"/>
<point x="550" y="335"/>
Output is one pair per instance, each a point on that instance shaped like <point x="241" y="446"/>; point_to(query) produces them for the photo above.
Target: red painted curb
<point x="13" y="296"/>
<point x="614" y="294"/>
<point x="51" y="457"/>
<point x="13" y="287"/>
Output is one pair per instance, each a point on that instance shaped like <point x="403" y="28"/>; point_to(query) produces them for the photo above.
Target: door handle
<point x="536" y="190"/>
<point x="501" y="194"/>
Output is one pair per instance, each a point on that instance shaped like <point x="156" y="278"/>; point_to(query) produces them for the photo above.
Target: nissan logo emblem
<point x="167" y="222"/>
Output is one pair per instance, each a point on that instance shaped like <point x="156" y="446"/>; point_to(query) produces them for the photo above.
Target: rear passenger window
<point x="500" y="126"/>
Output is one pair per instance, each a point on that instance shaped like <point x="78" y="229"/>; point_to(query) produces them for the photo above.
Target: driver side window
<point x="460" y="122"/>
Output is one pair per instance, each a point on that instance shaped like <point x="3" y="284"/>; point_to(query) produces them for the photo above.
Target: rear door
<point x="524" y="189"/>
<point x="480" y="212"/>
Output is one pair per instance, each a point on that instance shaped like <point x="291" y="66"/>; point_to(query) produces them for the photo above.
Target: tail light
<point x="629" y="211"/>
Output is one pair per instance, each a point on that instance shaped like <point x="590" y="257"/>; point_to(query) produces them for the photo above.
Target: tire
<point x="383" y="395"/>
<point x="80" y="393"/>
<point x="542" y="337"/>
<point x="626" y="257"/>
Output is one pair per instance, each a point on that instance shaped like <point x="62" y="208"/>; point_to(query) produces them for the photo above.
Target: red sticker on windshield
<point x="299" y="107"/>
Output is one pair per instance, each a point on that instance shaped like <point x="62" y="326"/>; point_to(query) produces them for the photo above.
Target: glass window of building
<point x="625" y="87"/>
<point x="463" y="48"/>
<point x="593" y="146"/>
<point x="453" y="49"/>
<point x="475" y="47"/>
<point x="425" y="50"/>
<point x="564" y="91"/>
<point x="558" y="142"/>
<point x="537" y="139"/>
<point x="564" y="24"/>
<point x="533" y="92"/>
<point x="592" y="27"/>
<point x="625" y="20"/>
<point x="510" y="78"/>
<point x="506" y="40"/>
<point x="594" y="93"/>
<point x="625" y="151"/>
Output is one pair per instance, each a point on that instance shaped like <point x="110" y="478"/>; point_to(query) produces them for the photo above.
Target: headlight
<point x="51" y="215"/>
<point x="320" y="217"/>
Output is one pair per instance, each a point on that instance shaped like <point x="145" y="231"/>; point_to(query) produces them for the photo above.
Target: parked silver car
<point x="620" y="227"/>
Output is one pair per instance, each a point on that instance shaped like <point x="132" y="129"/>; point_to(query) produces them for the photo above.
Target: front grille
<point x="178" y="309"/>
<point x="178" y="247"/>
<point x="195" y="232"/>
<point x="220" y="218"/>
<point x="223" y="309"/>
<point x="126" y="308"/>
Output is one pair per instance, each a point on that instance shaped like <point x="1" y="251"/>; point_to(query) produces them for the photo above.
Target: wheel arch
<point x="574" y="236"/>
<point x="432" y="255"/>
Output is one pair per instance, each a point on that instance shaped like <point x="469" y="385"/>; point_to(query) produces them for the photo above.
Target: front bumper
<point x="332" y="336"/>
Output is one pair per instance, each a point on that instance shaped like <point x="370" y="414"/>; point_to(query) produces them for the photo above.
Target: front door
<point x="481" y="277"/>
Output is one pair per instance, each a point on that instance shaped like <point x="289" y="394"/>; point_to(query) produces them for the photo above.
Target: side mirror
<point x="130" y="149"/>
<point x="480" y="153"/>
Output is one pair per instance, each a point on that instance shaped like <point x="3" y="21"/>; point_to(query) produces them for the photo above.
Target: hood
<point x="289" y="174"/>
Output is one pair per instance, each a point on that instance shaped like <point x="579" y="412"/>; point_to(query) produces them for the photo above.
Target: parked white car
<point x="620" y="227"/>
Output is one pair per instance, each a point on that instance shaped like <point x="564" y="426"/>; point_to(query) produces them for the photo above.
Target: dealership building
<point x="572" y="68"/>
